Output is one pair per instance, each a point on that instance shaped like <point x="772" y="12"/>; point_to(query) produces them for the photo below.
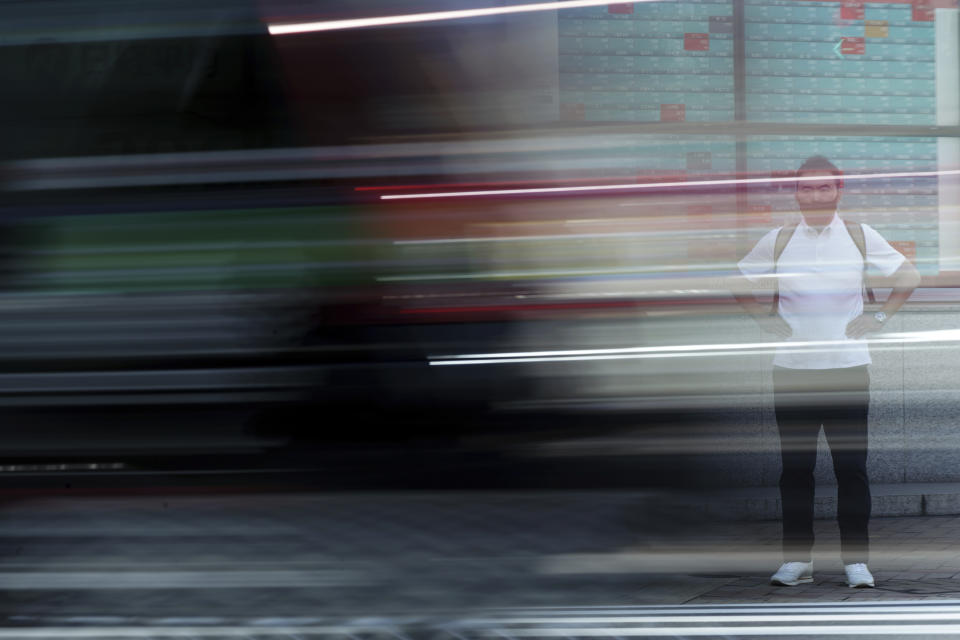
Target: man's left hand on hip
<point x="862" y="326"/>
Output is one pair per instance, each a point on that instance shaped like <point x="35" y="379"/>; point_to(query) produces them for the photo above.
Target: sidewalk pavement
<point x="366" y="554"/>
<point x="912" y="558"/>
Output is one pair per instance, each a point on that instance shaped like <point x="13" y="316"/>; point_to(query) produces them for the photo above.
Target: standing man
<point x="820" y="373"/>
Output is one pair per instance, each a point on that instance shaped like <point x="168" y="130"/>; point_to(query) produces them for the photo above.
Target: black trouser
<point x="838" y="399"/>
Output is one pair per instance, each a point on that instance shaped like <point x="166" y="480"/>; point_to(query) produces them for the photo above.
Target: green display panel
<point x="851" y="63"/>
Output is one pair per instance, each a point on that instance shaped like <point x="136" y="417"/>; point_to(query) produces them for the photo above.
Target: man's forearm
<point x="906" y="279"/>
<point x="761" y="313"/>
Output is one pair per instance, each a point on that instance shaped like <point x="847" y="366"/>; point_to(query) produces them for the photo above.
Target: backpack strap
<point x="783" y="239"/>
<point x="856" y="234"/>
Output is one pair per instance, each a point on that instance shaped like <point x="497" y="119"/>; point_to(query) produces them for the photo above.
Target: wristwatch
<point x="880" y="317"/>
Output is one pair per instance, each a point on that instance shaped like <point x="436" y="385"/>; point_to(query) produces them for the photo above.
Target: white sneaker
<point x="793" y="573"/>
<point x="858" y="575"/>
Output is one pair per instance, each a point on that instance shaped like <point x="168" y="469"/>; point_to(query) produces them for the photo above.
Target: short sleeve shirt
<point x="820" y="277"/>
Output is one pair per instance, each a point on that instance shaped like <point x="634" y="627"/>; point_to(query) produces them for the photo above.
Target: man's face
<point x="818" y="192"/>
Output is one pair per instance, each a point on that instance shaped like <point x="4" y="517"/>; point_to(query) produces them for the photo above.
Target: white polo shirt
<point x="821" y="291"/>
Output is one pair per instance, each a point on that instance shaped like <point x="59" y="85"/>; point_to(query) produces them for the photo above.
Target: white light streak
<point x="948" y="335"/>
<point x="714" y="619"/>
<point x="681" y="351"/>
<point x="433" y="16"/>
<point x="631" y="350"/>
<point x="795" y="630"/>
<point x="661" y="185"/>
<point x="559" y="613"/>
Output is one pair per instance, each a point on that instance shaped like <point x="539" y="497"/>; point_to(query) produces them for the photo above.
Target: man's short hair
<point x="820" y="164"/>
